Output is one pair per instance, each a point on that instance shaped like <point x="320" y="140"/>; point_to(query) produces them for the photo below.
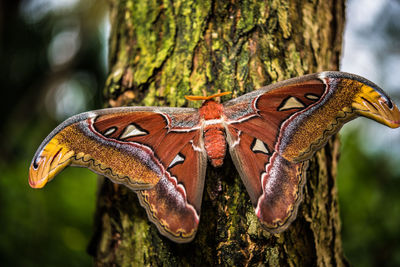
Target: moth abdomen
<point x="215" y="144"/>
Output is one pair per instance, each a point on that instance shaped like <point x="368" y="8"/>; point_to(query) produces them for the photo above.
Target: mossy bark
<point x="163" y="50"/>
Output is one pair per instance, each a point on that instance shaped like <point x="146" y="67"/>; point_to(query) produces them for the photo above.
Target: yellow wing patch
<point x="53" y="159"/>
<point x="290" y="103"/>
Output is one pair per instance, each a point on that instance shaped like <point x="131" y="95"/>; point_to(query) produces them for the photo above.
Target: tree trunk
<point x="161" y="51"/>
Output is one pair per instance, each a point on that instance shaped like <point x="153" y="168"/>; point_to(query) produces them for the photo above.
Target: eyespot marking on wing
<point x="179" y="159"/>
<point x="258" y="146"/>
<point x="311" y="96"/>
<point x="133" y="130"/>
<point x="290" y="103"/>
<point x="110" y="131"/>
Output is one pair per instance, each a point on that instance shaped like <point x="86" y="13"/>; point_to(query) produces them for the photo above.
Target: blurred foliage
<point x="52" y="65"/>
<point x="50" y="54"/>
<point x="369" y="204"/>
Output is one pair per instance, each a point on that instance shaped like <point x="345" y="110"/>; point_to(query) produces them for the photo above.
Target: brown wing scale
<point x="174" y="203"/>
<point x="294" y="119"/>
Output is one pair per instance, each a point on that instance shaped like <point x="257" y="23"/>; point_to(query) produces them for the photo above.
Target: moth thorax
<point x="215" y="144"/>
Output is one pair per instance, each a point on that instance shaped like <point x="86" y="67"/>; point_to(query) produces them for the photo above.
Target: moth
<point x="161" y="153"/>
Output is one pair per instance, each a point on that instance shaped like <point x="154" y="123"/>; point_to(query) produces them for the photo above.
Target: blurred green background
<point x="53" y="58"/>
<point x="52" y="65"/>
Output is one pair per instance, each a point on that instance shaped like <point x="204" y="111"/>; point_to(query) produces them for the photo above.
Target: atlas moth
<point x="161" y="153"/>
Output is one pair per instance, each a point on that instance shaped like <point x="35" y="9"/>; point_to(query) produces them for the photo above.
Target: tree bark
<point x="163" y="50"/>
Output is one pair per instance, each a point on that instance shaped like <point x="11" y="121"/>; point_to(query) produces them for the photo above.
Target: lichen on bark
<point x="163" y="50"/>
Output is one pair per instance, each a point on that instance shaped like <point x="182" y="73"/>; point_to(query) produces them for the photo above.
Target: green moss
<point x="293" y="60"/>
<point x="154" y="33"/>
<point x="113" y="80"/>
<point x="284" y="22"/>
<point x="272" y="257"/>
<point x="188" y="34"/>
